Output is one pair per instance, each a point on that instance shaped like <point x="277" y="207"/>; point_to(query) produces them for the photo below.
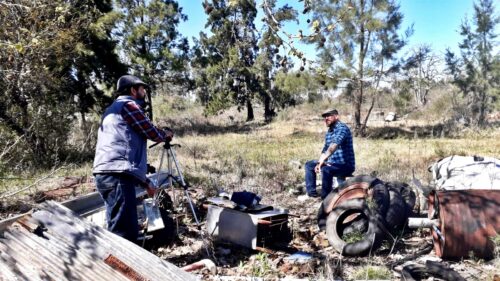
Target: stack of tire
<point x="383" y="208"/>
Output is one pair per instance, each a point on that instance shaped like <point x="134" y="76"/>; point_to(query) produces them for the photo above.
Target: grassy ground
<point x="225" y="152"/>
<point x="270" y="156"/>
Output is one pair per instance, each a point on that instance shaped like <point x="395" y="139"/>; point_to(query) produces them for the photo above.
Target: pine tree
<point x="150" y="41"/>
<point x="52" y="61"/>
<point x="224" y="59"/>
<point x="269" y="59"/>
<point x="477" y="72"/>
<point x="358" y="41"/>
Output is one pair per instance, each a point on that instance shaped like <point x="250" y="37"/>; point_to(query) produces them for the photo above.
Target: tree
<point x="224" y="59"/>
<point x="297" y="86"/>
<point x="358" y="41"/>
<point x="269" y="58"/>
<point x="53" y="57"/>
<point x="420" y="70"/>
<point x="150" y="42"/>
<point x="477" y="72"/>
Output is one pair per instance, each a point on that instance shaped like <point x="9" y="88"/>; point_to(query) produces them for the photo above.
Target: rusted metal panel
<point x="468" y="219"/>
<point x="54" y="244"/>
<point x="355" y="191"/>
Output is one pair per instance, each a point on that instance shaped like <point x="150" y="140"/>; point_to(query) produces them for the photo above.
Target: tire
<point x="358" y="224"/>
<point x="380" y="197"/>
<point x="408" y="196"/>
<point x="373" y="235"/>
<point x="322" y="216"/>
<point x="415" y="272"/>
<point x="358" y="179"/>
<point x="396" y="215"/>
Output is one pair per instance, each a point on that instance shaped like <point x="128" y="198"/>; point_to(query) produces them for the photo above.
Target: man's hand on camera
<point x="169" y="134"/>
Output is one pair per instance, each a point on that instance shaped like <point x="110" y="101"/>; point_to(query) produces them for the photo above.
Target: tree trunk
<point x="268" y="110"/>
<point x="358" y="100"/>
<point x="250" y="115"/>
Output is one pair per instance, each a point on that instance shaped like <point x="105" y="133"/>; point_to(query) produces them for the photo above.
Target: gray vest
<point x="119" y="148"/>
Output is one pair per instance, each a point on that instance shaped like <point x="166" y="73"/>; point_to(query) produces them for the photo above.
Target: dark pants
<point x="118" y="193"/>
<point x="327" y="173"/>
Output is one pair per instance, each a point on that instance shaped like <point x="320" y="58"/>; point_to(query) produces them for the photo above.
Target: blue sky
<point x="436" y="22"/>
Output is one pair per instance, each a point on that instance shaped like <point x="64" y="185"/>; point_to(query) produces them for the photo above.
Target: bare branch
<point x="33" y="184"/>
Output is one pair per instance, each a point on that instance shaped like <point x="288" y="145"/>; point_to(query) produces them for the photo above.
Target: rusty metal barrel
<point x="468" y="220"/>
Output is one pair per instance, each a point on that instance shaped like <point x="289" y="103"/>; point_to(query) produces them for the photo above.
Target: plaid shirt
<point x="134" y="116"/>
<point x="340" y="134"/>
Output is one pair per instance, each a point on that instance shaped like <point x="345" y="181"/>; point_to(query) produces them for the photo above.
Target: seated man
<point x="336" y="159"/>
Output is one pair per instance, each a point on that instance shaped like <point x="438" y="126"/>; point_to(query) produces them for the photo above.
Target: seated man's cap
<point x="329" y="112"/>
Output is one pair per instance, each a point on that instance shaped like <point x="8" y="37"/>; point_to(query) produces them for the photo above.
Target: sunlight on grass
<point x="225" y="152"/>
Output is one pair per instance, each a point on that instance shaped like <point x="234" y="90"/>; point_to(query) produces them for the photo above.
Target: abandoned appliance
<point x="257" y="226"/>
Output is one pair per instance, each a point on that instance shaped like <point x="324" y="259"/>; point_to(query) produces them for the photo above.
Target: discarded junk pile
<point x="366" y="209"/>
<point x="242" y="220"/>
<point x="463" y="208"/>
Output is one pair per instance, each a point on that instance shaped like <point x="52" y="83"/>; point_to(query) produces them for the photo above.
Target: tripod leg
<point x="184" y="185"/>
<point x="171" y="173"/>
<point x="158" y="184"/>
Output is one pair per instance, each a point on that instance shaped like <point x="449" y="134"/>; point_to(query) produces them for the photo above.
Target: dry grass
<point x="256" y="156"/>
<point x="225" y="152"/>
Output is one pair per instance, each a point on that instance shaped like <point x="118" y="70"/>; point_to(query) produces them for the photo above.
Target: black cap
<point x="329" y="112"/>
<point x="127" y="81"/>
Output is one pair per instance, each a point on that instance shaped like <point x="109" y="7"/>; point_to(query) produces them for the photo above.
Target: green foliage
<point x="353" y="237"/>
<point x="477" y="72"/>
<point x="224" y="59"/>
<point x="50" y="73"/>
<point x="150" y="41"/>
<point x="298" y="86"/>
<point x="269" y="59"/>
<point x="373" y="273"/>
<point x="359" y="46"/>
<point x="402" y="101"/>
<point x="232" y="67"/>
<point x="262" y="265"/>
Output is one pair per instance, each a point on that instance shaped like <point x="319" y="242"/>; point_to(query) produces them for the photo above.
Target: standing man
<point x="120" y="162"/>
<point x="336" y="159"/>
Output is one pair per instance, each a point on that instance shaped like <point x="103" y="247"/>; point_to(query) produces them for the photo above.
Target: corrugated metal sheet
<point x="54" y="244"/>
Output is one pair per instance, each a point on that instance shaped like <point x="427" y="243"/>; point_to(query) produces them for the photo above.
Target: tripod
<point x="170" y="177"/>
<point x="165" y="181"/>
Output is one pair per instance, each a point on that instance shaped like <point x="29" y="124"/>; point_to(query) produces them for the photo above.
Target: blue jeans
<point x="327" y="174"/>
<point x="118" y="192"/>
